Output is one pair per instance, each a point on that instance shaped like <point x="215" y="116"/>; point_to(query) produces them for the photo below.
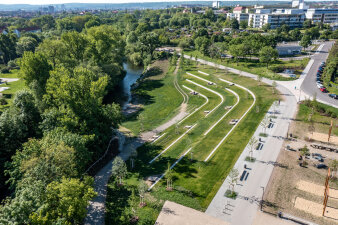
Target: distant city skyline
<point x="55" y="2"/>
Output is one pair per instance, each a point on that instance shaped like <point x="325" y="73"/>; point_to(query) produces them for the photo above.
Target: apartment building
<point x="276" y="20"/>
<point x="322" y="15"/>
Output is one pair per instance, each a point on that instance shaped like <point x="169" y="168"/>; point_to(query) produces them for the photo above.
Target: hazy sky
<point x="45" y="2"/>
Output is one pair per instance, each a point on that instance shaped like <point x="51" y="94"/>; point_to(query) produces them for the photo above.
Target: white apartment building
<point x="276" y="20"/>
<point x="238" y="16"/>
<point x="322" y="15"/>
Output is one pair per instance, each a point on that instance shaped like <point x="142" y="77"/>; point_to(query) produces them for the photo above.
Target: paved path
<point x="96" y="208"/>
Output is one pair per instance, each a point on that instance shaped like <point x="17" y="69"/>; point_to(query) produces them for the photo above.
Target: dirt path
<point x="96" y="209"/>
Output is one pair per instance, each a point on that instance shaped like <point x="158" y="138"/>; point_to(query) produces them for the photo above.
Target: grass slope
<point x="196" y="182"/>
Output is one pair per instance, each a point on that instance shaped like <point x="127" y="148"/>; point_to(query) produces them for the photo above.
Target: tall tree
<point x="267" y="55"/>
<point x="119" y="169"/>
<point x="35" y="69"/>
<point x="26" y="44"/>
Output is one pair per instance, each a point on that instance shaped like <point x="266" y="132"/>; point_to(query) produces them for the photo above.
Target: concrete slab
<point x="174" y="214"/>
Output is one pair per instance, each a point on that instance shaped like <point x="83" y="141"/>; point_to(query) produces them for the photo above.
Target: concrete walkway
<point x="259" y="172"/>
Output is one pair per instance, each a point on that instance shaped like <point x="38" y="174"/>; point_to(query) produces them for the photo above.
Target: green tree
<point x="307" y="24"/>
<point x="234" y="24"/>
<point x="237" y="51"/>
<point x="169" y="177"/>
<point x="295" y="34"/>
<point x="66" y="201"/>
<point x="119" y="169"/>
<point x="142" y="189"/>
<point x="75" y="44"/>
<point x="267" y="55"/>
<point x="243" y="24"/>
<point x="305" y="41"/>
<point x="53" y="50"/>
<point x="8" y="47"/>
<point x="252" y="145"/>
<point x="26" y="44"/>
<point x="304" y="152"/>
<point x="106" y="50"/>
<point x="233" y="178"/>
<point x="266" y="27"/>
<point x="34" y="69"/>
<point x="202" y="44"/>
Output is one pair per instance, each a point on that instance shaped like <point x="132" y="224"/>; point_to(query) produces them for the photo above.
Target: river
<point x="133" y="73"/>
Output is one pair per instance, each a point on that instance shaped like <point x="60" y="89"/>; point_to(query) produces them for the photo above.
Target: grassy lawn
<point x="160" y="101"/>
<point x="196" y="182"/>
<point x="255" y="67"/>
<point x="13" y="87"/>
<point x="321" y="118"/>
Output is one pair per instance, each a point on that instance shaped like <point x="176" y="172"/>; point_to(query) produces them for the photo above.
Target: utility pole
<point x="262" y="199"/>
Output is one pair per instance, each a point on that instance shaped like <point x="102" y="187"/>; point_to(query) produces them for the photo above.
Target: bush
<point x="3" y="101"/>
<point x="230" y="194"/>
<point x="277" y="69"/>
<point x="12" y="64"/>
<point x="5" y="70"/>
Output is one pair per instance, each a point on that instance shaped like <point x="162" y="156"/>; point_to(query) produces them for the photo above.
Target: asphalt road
<point x="309" y="85"/>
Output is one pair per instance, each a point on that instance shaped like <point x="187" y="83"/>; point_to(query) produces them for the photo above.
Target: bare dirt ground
<point x="286" y="192"/>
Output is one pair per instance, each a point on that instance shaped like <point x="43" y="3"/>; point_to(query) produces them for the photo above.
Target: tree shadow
<point x="186" y="168"/>
<point x="116" y="203"/>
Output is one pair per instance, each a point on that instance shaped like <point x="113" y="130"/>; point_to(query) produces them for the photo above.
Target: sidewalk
<point x="250" y="191"/>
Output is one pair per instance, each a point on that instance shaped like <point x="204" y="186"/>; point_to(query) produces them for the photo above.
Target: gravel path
<point x="96" y="208"/>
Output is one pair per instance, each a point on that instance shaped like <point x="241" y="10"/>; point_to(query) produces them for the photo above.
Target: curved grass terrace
<point x="195" y="181"/>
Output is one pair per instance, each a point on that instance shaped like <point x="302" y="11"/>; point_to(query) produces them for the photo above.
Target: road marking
<point x="151" y="161"/>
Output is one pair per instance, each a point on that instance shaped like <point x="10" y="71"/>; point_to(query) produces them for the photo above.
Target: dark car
<point x="332" y="95"/>
<point x="321" y="166"/>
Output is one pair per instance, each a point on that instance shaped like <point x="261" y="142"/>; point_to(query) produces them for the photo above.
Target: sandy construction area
<point x="315" y="189"/>
<point x="316" y="209"/>
<point x="323" y="137"/>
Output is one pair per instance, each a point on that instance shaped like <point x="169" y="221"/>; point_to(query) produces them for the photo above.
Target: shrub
<point x="3" y="101"/>
<point x="12" y="64"/>
<point x="277" y="69"/>
<point x="5" y="70"/>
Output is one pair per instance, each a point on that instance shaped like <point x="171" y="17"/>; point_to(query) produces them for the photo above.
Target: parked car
<point x="321" y="166"/>
<point x="320" y="159"/>
<point x="316" y="154"/>
<point x="323" y="89"/>
<point x="332" y="95"/>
